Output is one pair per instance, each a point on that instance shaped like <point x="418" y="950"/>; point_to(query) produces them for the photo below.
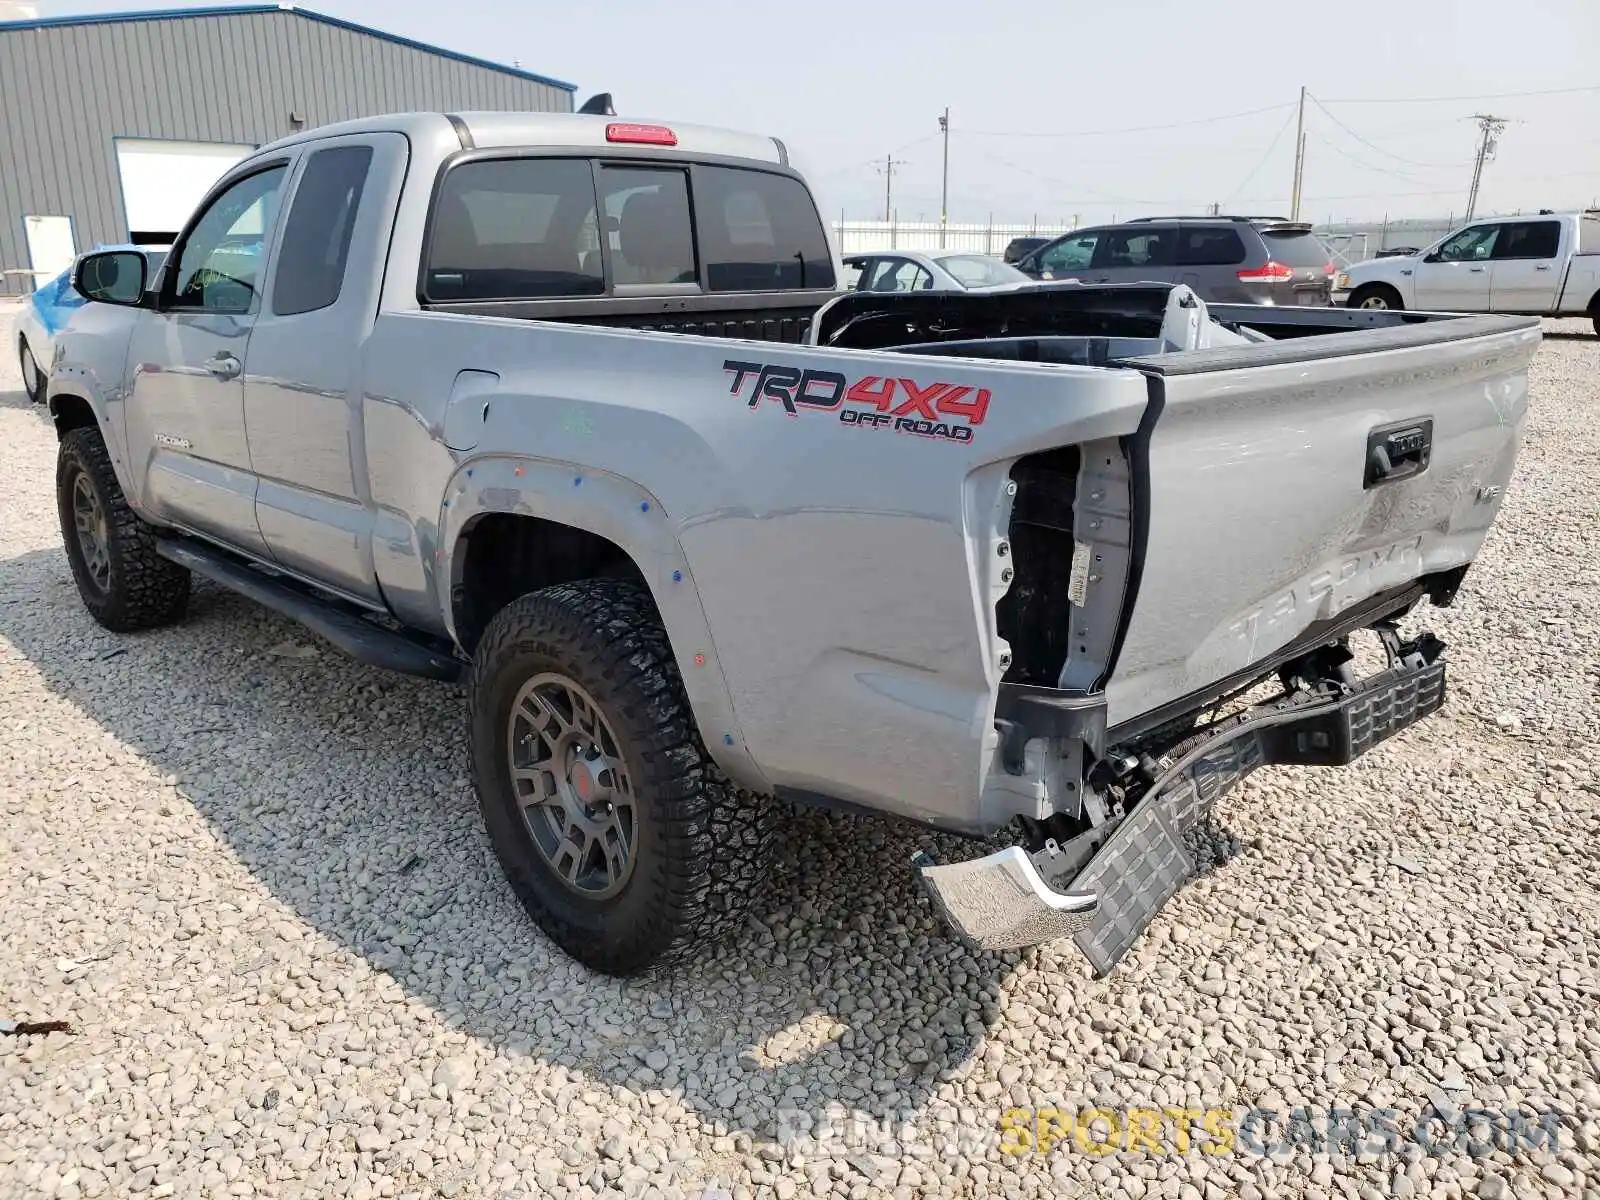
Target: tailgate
<point x="1285" y="482"/>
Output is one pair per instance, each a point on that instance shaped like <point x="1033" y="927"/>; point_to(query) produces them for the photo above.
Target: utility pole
<point x="1299" y="157"/>
<point x="1216" y="209"/>
<point x="888" y="170"/>
<point x="944" y="190"/>
<point x="1489" y="130"/>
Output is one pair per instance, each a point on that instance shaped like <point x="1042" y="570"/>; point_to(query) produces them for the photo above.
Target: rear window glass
<point x="1296" y="249"/>
<point x="974" y="270"/>
<point x="515" y="228"/>
<point x="759" y="232"/>
<point x="647" y="220"/>
<point x="530" y="229"/>
<point x="1210" y="247"/>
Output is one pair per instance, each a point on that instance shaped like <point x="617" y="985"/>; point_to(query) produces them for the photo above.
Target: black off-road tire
<point x="701" y="844"/>
<point x="143" y="590"/>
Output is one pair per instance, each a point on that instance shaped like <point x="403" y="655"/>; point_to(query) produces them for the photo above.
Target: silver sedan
<point x="917" y="271"/>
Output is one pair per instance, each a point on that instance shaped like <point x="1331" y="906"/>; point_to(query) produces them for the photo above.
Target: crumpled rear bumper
<point x="1105" y="886"/>
<point x="1001" y="902"/>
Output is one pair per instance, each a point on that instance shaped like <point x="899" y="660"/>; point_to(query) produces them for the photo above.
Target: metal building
<point x="114" y="126"/>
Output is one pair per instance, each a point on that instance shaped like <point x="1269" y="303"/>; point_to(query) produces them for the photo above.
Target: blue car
<point x="46" y="313"/>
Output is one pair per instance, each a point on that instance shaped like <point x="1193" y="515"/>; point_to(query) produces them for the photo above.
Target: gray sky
<point x="847" y="81"/>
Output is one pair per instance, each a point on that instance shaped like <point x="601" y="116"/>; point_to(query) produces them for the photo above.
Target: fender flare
<point x="628" y="515"/>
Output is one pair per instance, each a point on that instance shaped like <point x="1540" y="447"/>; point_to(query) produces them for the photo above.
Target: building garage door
<point x="163" y="182"/>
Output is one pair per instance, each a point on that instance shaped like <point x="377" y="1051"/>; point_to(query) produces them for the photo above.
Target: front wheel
<point x="1375" y="295"/>
<point x="121" y="579"/>
<point x="32" y="379"/>
<point x="619" y="834"/>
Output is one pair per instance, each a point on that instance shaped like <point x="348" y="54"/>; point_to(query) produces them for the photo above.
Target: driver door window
<point x="1474" y="244"/>
<point x="1069" y="255"/>
<point x="218" y="269"/>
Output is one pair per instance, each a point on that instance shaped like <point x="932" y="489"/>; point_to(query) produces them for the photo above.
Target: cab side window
<point x="316" y="237"/>
<point x="1529" y="239"/>
<point x="1136" y="247"/>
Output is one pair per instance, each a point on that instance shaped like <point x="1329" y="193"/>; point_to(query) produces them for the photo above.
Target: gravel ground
<point x="251" y="876"/>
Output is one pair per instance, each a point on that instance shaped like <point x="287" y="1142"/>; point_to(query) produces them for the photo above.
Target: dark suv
<point x="1238" y="260"/>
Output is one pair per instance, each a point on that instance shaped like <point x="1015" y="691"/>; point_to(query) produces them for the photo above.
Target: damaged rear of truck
<point x="1224" y="503"/>
<point x="565" y="420"/>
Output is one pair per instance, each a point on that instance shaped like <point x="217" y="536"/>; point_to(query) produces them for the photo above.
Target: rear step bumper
<point x="350" y="632"/>
<point x="1013" y="899"/>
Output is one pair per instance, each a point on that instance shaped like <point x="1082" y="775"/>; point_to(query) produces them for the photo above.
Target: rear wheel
<point x="1597" y="323"/>
<point x="622" y="838"/>
<point x="1376" y="295"/>
<point x="121" y="579"/>
<point x="32" y="380"/>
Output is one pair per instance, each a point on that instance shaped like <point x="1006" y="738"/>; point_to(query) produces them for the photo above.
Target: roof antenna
<point x="599" y="105"/>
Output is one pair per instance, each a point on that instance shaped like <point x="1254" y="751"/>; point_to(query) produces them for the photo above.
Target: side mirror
<point x="111" y="277"/>
<point x="1433" y="256"/>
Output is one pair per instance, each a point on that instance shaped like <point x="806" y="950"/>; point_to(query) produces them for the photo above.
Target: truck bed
<point x="764" y="317"/>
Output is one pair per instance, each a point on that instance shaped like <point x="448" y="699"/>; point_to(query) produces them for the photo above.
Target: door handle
<point x="1541" y="266"/>
<point x="224" y="365"/>
<point x="1476" y="270"/>
<point x="1398" y="451"/>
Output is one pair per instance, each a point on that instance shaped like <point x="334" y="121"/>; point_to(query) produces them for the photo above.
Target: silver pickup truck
<point x="571" y="409"/>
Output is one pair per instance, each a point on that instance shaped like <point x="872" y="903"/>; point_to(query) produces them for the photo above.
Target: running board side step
<point x="343" y="626"/>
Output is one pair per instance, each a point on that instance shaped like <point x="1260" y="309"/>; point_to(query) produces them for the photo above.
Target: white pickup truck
<point x="1546" y="265"/>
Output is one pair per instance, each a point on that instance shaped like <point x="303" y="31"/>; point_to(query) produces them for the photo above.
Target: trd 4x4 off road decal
<point x="946" y="411"/>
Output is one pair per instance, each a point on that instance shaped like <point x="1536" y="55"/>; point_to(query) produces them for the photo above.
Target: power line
<point x="1368" y="166"/>
<point x="1591" y="173"/>
<point x="1456" y="99"/>
<point x="1256" y="170"/>
<point x="876" y="160"/>
<point x="1068" y="133"/>
<point x="1093" y="195"/>
<point x="1374" y="146"/>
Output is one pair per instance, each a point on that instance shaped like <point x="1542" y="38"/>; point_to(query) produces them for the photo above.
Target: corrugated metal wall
<point x="70" y="90"/>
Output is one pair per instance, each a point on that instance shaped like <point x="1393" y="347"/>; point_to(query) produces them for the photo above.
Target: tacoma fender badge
<point x="177" y="443"/>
